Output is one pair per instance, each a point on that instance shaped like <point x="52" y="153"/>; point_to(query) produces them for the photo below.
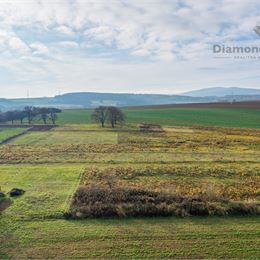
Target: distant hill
<point x="22" y="102"/>
<point x="90" y="99"/>
<point x="93" y="99"/>
<point x="222" y="92"/>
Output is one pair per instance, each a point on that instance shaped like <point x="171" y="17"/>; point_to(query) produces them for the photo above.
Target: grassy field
<point x="6" y="133"/>
<point x="189" y="117"/>
<point x="50" y="166"/>
<point x="47" y="189"/>
<point x="75" y="116"/>
<point x="63" y="137"/>
<point x="213" y="237"/>
<point x="219" y="117"/>
<point x="248" y="118"/>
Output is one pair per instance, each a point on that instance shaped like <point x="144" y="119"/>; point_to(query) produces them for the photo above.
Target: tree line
<point x="30" y="113"/>
<point x="112" y="115"/>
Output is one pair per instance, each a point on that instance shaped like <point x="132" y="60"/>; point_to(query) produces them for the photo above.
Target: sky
<point x="50" y="47"/>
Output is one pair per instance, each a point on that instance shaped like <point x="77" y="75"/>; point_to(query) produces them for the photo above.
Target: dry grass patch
<point x="165" y="190"/>
<point x="96" y="201"/>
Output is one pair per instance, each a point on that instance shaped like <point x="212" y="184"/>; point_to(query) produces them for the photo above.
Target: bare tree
<point x="21" y="116"/>
<point x="44" y="114"/>
<point x="115" y="116"/>
<point x="30" y="113"/>
<point x="12" y="115"/>
<point x="53" y="114"/>
<point x="100" y="115"/>
<point x="2" y="117"/>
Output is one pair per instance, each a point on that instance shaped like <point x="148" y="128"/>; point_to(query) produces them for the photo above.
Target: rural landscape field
<point x="184" y="191"/>
<point x="129" y="129"/>
<point x="186" y="115"/>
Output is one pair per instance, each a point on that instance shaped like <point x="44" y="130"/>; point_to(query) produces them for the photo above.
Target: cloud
<point x="172" y="38"/>
<point x="140" y="52"/>
<point x="10" y="42"/>
<point x="105" y="34"/>
<point x="153" y="24"/>
<point x="39" y="48"/>
<point x="68" y="44"/>
<point x="65" y="30"/>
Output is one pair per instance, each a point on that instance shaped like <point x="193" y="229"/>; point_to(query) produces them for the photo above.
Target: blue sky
<point x="150" y="46"/>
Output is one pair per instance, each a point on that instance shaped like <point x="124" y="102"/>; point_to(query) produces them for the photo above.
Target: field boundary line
<point x="70" y="195"/>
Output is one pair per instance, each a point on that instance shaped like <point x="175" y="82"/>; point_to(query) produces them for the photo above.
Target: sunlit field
<point x="129" y="129"/>
<point x="213" y="163"/>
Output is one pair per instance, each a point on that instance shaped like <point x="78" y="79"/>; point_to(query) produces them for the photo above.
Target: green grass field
<point x="48" y="165"/>
<point x="248" y="118"/>
<point x="47" y="189"/>
<point x="6" y="133"/>
<point x="189" y="117"/>
<point x="75" y="116"/>
<point x="179" y="238"/>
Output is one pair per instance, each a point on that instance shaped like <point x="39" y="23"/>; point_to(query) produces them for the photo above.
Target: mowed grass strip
<point x="47" y="188"/>
<point x="181" y="238"/>
<point x="6" y="133"/>
<point x="66" y="137"/>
